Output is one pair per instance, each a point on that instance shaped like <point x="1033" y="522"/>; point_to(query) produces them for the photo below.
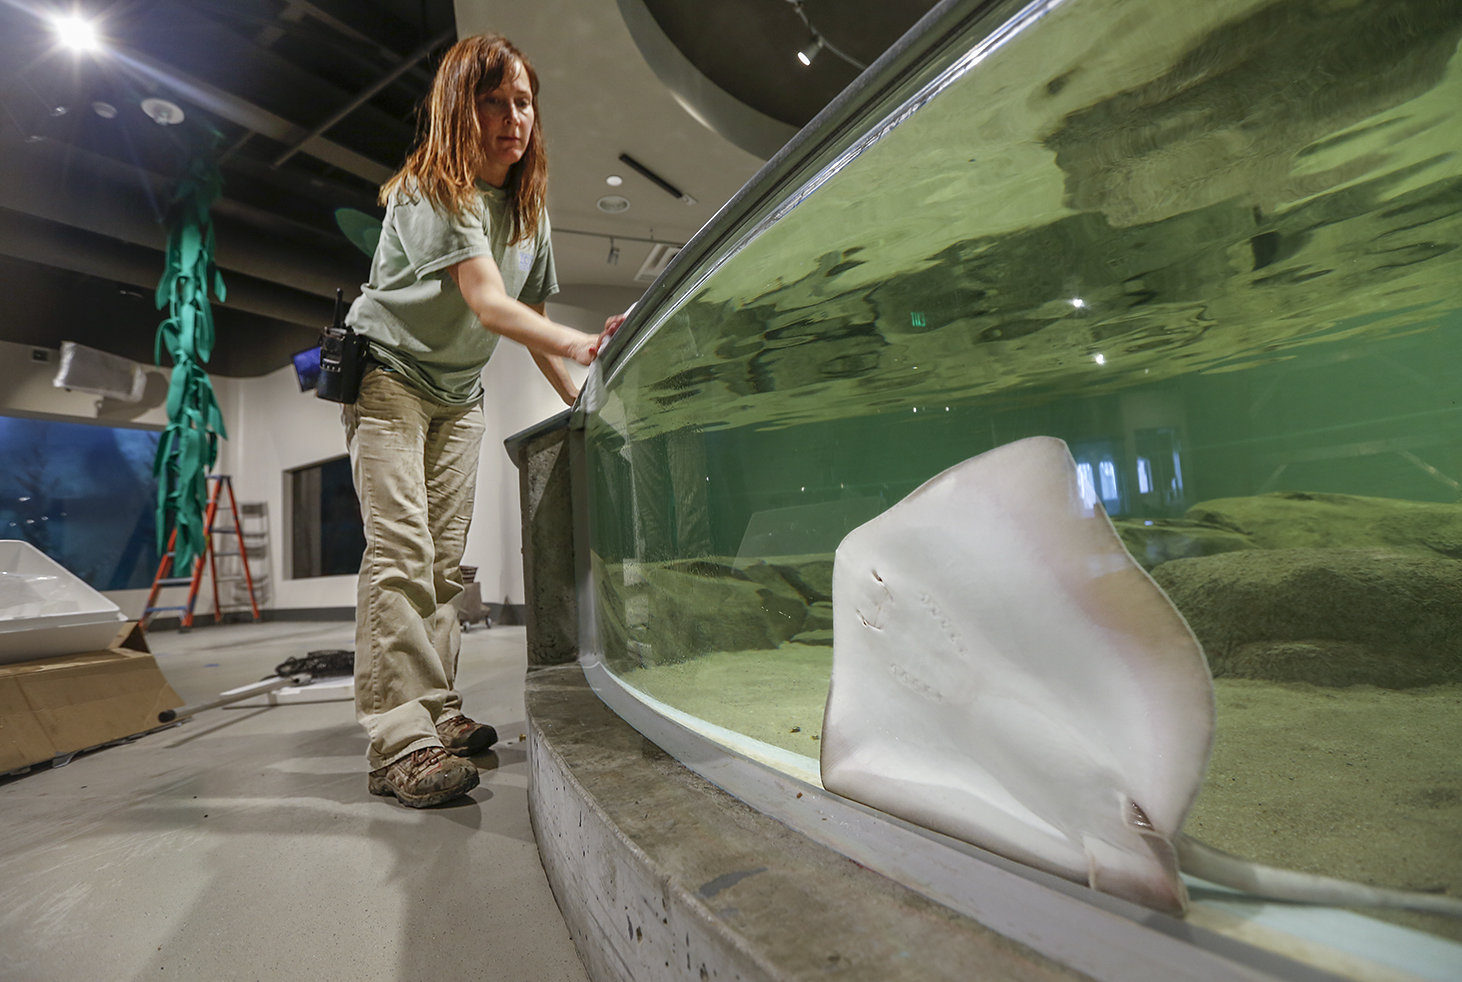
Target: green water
<point x="1216" y="254"/>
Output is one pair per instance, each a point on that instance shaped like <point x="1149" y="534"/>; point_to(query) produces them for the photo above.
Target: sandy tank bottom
<point x="1360" y="783"/>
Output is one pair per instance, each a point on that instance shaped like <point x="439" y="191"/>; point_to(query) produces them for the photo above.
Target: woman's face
<point x="506" y="117"/>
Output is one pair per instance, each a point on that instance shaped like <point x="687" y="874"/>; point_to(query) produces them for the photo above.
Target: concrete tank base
<point x="661" y="875"/>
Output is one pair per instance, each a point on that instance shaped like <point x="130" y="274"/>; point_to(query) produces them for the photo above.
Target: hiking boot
<point x="425" y="777"/>
<point x="465" y="737"/>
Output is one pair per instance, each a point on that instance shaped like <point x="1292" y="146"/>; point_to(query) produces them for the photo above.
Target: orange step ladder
<point x="218" y="484"/>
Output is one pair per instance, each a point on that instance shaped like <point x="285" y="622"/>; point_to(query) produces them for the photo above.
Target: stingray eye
<point x="1137" y="817"/>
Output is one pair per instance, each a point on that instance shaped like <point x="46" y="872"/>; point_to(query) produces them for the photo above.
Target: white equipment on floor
<point x="306" y="679"/>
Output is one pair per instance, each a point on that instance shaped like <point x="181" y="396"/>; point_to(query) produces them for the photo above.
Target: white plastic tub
<point x="46" y="610"/>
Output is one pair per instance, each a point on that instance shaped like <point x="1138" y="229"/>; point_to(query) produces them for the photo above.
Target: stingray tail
<point x="1216" y="866"/>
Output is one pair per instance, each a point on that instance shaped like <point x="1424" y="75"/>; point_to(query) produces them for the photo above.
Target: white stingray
<point x="1005" y="673"/>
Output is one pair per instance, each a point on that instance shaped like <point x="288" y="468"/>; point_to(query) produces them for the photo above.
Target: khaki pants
<point x="415" y="468"/>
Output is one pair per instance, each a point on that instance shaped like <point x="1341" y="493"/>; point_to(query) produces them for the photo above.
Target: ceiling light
<point x="817" y="41"/>
<point x="613" y="204"/>
<point x="76" y="33"/>
<point x="614" y="180"/>
<point x="811" y="51"/>
<point x="104" y="109"/>
<point x="163" y="113"/>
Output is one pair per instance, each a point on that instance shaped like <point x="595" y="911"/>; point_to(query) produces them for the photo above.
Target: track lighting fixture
<point x="657" y="180"/>
<point x="814" y="47"/>
<point x="811" y="50"/>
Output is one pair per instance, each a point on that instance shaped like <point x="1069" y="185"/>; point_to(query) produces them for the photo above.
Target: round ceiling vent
<point x="163" y="113"/>
<point x="613" y="204"/>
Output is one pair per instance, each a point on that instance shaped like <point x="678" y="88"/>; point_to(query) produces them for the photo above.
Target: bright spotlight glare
<point x="77" y="33"/>
<point x="1078" y="303"/>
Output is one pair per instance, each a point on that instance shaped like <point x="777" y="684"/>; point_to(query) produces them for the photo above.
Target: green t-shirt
<point x="415" y="317"/>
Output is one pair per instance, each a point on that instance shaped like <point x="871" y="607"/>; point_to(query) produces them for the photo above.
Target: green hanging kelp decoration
<point x="189" y="445"/>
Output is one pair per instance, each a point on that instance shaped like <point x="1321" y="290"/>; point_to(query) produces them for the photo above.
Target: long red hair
<point x="444" y="165"/>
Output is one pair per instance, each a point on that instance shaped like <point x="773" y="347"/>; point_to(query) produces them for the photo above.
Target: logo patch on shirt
<point x="525" y="262"/>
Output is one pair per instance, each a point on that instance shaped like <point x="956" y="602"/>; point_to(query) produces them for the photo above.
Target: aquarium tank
<point x="1213" y="247"/>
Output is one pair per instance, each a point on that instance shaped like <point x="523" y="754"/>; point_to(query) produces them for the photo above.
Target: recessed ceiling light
<point x="613" y="204"/>
<point x="104" y="109"/>
<point x="614" y="180"/>
<point x="163" y="113"/>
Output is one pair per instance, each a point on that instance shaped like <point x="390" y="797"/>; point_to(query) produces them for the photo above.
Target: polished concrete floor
<point x="242" y="844"/>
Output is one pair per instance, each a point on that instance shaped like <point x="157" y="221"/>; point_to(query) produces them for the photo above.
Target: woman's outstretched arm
<point x="482" y="287"/>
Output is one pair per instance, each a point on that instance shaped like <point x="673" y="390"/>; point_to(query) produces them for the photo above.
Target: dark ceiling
<point x="85" y="173"/>
<point x="749" y="47"/>
<point x="310" y="105"/>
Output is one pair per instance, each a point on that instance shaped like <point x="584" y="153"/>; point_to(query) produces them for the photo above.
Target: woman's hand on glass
<point x="610" y="326"/>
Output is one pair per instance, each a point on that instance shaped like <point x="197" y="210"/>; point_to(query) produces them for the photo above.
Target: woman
<point x="464" y="257"/>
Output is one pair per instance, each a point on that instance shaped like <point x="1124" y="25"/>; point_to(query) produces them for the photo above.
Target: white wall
<point x="273" y="428"/>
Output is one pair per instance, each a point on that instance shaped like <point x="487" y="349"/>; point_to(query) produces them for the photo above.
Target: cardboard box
<point x="56" y="706"/>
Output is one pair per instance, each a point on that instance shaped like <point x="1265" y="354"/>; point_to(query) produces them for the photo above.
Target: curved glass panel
<point x="1214" y="248"/>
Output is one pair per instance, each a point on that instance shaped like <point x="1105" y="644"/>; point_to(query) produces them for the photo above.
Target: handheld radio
<point x="342" y="358"/>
